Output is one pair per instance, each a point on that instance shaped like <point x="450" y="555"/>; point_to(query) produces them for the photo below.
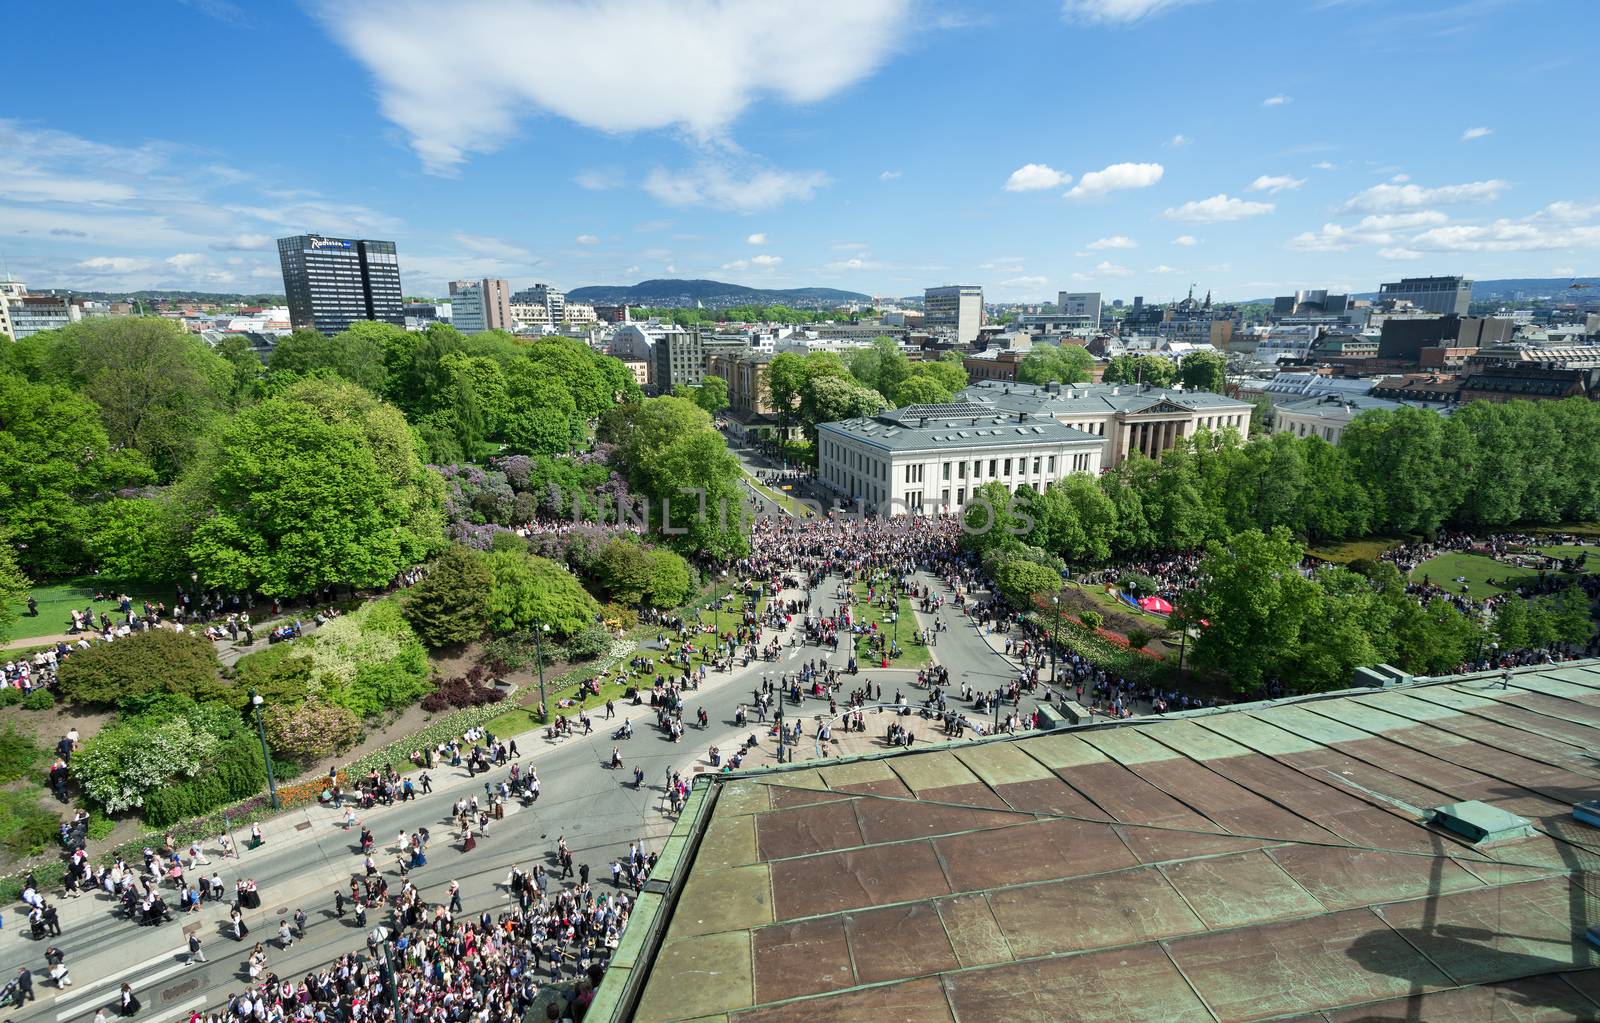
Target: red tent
<point x="1155" y="605"/>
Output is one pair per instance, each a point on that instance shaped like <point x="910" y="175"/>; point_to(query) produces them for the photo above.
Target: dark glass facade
<point x="334" y="282"/>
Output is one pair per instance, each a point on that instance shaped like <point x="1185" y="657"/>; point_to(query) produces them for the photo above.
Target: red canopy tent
<point x="1155" y="605"/>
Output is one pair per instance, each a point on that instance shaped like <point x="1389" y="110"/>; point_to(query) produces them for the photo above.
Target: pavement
<point x="307" y="854"/>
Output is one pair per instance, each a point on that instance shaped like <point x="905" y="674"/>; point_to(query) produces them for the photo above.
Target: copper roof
<point x="1266" y="862"/>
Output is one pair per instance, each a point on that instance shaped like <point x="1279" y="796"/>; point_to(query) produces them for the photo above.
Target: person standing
<point x="24" y="985"/>
<point x="196" y="953"/>
<point x="130" y="1001"/>
<point x="455" y="897"/>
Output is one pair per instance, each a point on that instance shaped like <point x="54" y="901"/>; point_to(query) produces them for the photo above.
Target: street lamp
<point x="720" y="596"/>
<point x="538" y="652"/>
<point x="1055" y="636"/>
<point x="261" y="730"/>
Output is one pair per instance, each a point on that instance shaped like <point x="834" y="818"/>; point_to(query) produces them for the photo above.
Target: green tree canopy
<point x="1045" y="364"/>
<point x="351" y="355"/>
<point x="1140" y="369"/>
<point x="1020" y="581"/>
<point x="1257" y="603"/>
<point x="530" y="591"/>
<point x="1204" y="371"/>
<point x="451" y="604"/>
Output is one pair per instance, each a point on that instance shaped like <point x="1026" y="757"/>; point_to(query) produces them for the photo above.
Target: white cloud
<point x="1116" y="241"/>
<point x="484" y="245"/>
<point x="1401" y="221"/>
<point x="853" y="263"/>
<point x="670" y="268"/>
<point x="1117" y="12"/>
<point x="1025" y="282"/>
<point x="1400" y="179"/>
<point x="1322" y="165"/>
<point x="1332" y="238"/>
<point x="243" y="242"/>
<point x="1277" y="101"/>
<point x="1186" y="240"/>
<point x="889" y="175"/>
<point x="456" y="89"/>
<point x="1475" y="133"/>
<point x="738" y="264"/>
<point x="587" y="239"/>
<point x="1163" y="269"/>
<point x="765" y="260"/>
<point x="1217" y="208"/>
<point x="185" y="260"/>
<point x="1569" y="212"/>
<point x="1179" y="140"/>
<point x="1032" y="177"/>
<point x="1116" y="177"/>
<point x="1504" y="236"/>
<point x="1399" y="254"/>
<point x="759" y="238"/>
<point x="113" y="264"/>
<point x="1387" y="197"/>
<point x="599" y="179"/>
<point x="1106" y="268"/>
<point x="1275" y="183"/>
<point x="715" y="186"/>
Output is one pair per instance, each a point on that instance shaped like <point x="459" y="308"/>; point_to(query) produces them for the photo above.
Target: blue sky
<point x="1126" y="146"/>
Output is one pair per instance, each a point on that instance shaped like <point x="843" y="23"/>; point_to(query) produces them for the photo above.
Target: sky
<point x="1131" y="147"/>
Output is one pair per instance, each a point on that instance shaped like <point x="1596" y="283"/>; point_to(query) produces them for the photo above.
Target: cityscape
<point x="710" y="510"/>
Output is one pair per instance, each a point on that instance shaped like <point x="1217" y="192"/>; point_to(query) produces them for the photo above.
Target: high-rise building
<point x="553" y="300"/>
<point x="1447" y="296"/>
<point x="334" y="282"/>
<point x="9" y="290"/>
<point x="27" y="314"/>
<point x="477" y="306"/>
<point x="1080" y="304"/>
<point x="678" y="358"/>
<point x="957" y="307"/>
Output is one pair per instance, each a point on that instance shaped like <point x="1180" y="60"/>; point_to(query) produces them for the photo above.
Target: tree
<point x="1044" y="364"/>
<point x="881" y="366"/>
<point x="530" y="592"/>
<point x="542" y="417"/>
<point x="14" y="588"/>
<point x="712" y="394"/>
<point x="451" y="604"/>
<point x="318" y="486"/>
<point x="1434" y="639"/>
<point x="1140" y="369"/>
<point x="1020" y="581"/>
<point x="1076" y="519"/>
<point x="669" y="579"/>
<point x="307" y="732"/>
<point x="829" y="399"/>
<point x="1412" y="462"/>
<point x="1257" y="602"/>
<point x="921" y="390"/>
<point x="352" y="355"/>
<point x="995" y="519"/>
<point x="1138" y="639"/>
<point x="1204" y="371"/>
<point x="135" y="540"/>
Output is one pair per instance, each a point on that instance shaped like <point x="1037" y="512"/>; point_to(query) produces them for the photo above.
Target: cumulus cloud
<point x="1116" y="241"/>
<point x="1186" y="240"/>
<point x="599" y="179"/>
<point x="1106" y="268"/>
<point x="113" y="264"/>
<point x="1117" y="12"/>
<point x="1276" y="183"/>
<point x="765" y="260"/>
<point x="1277" y="101"/>
<point x="1116" y="177"/>
<point x="1163" y="269"/>
<point x="1024" y="282"/>
<point x="1401" y="221"/>
<point x="1399" y="254"/>
<point x="1179" y="140"/>
<point x="853" y="263"/>
<point x="1504" y="236"/>
<point x="759" y="238"/>
<point x="456" y="89"/>
<point x="1322" y="165"/>
<point x="1569" y="212"/>
<point x="1032" y="177"/>
<point x="1216" y="209"/>
<point x="185" y="260"/>
<point x="1475" y="133"/>
<point x="1388" y="197"/>
<point x="587" y="239"/>
<point x="889" y="175"/>
<point x="718" y="187"/>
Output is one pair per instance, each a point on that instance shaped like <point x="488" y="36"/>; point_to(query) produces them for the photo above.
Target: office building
<point x="677" y="357"/>
<point x="1080" y="305"/>
<point x="1132" y="417"/>
<point x="579" y="314"/>
<point x="532" y="318"/>
<point x="957" y="308"/>
<point x="9" y="290"/>
<point x="477" y="306"/>
<point x="334" y="282"/>
<point x="553" y="300"/>
<point x="1404" y="339"/>
<point x="925" y="459"/>
<point x="1442" y="295"/>
<point x="1310" y="303"/>
<point x="29" y="314"/>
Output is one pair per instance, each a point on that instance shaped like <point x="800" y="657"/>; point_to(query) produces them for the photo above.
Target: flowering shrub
<point x="306" y="793"/>
<point x="368" y="660"/>
<point x="119" y="767"/>
<point x="468" y="690"/>
<point x="311" y="730"/>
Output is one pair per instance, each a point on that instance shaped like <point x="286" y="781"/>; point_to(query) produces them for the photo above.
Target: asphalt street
<point x="308" y="854"/>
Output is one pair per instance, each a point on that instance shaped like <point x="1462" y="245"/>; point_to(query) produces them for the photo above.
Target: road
<point x="308" y="854"/>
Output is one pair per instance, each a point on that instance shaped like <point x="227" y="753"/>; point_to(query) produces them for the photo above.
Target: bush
<point x="19" y="756"/>
<point x="1092" y="620"/>
<point x="100" y="826"/>
<point x="589" y="644"/>
<point x="281" y="674"/>
<point x="368" y="661"/>
<point x="158" y="661"/>
<point x="309" y="731"/>
<point x="1138" y="584"/>
<point x="235" y="772"/>
<point x="451" y="605"/>
<point x="26" y="828"/>
<point x="464" y="691"/>
<point x="39" y="699"/>
<point x="624" y="618"/>
<point x="126" y="763"/>
<point x="1138" y="639"/>
<point x="10" y="696"/>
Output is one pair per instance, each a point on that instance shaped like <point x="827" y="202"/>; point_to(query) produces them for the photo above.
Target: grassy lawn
<point x="57" y="601"/>
<point x="1351" y="550"/>
<point x="1559" y="551"/>
<point x="1573" y="529"/>
<point x="779" y="497"/>
<point x="912" y="653"/>
<point x="1475" y="568"/>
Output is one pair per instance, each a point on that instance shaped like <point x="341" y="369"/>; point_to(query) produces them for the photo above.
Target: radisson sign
<point x="328" y="243"/>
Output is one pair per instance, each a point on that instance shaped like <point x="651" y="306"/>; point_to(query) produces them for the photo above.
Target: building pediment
<point x="1160" y="408"/>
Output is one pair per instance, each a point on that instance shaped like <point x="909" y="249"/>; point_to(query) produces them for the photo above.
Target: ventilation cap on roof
<point x="1479" y="823"/>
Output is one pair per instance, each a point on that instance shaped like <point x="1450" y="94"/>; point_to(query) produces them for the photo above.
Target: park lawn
<point x="780" y="498"/>
<point x="57" y="601"/>
<point x="1573" y="529"/>
<point x="912" y="653"/>
<point x="1477" y="569"/>
<point x="1369" y="548"/>
<point x="1569" y="551"/>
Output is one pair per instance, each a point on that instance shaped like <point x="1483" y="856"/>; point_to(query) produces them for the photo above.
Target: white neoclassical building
<point x="1131" y="417"/>
<point x="930" y="458"/>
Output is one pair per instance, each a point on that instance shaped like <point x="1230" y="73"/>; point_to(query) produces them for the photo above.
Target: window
<point x="946" y="474"/>
<point x="1008" y="467"/>
<point x="1052" y="463"/>
<point x="961" y="470"/>
<point x="1036" y="461"/>
<point x="994" y="463"/>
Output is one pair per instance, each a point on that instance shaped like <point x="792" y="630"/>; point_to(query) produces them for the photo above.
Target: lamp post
<point x="261" y="730"/>
<point x="538" y="653"/>
<point x="720" y="596"/>
<point x="1055" y="636"/>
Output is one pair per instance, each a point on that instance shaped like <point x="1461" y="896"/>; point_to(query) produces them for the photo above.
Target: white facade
<point x="956" y="307"/>
<point x="905" y="462"/>
<point x="1080" y="304"/>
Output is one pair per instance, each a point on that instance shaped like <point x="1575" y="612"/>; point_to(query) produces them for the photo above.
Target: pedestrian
<point x="455" y="897"/>
<point x="130" y="1001"/>
<point x="583" y="874"/>
<point x="255" y="836"/>
<point x="427" y="783"/>
<point x="300" y="923"/>
<point x="24" y="985"/>
<point x="196" y="953"/>
<point x="361" y="913"/>
<point x="338" y="903"/>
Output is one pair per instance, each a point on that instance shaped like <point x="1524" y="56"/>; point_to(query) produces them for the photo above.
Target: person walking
<point x="455" y="897"/>
<point x="130" y="1001"/>
<point x="24" y="985"/>
<point x="196" y="953"/>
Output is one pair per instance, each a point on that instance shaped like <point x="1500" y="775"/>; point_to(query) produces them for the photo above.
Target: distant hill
<point x="711" y="294"/>
<point x="1530" y="287"/>
<point x="196" y="297"/>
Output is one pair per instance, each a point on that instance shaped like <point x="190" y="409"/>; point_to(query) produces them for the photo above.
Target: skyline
<point x="878" y="146"/>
